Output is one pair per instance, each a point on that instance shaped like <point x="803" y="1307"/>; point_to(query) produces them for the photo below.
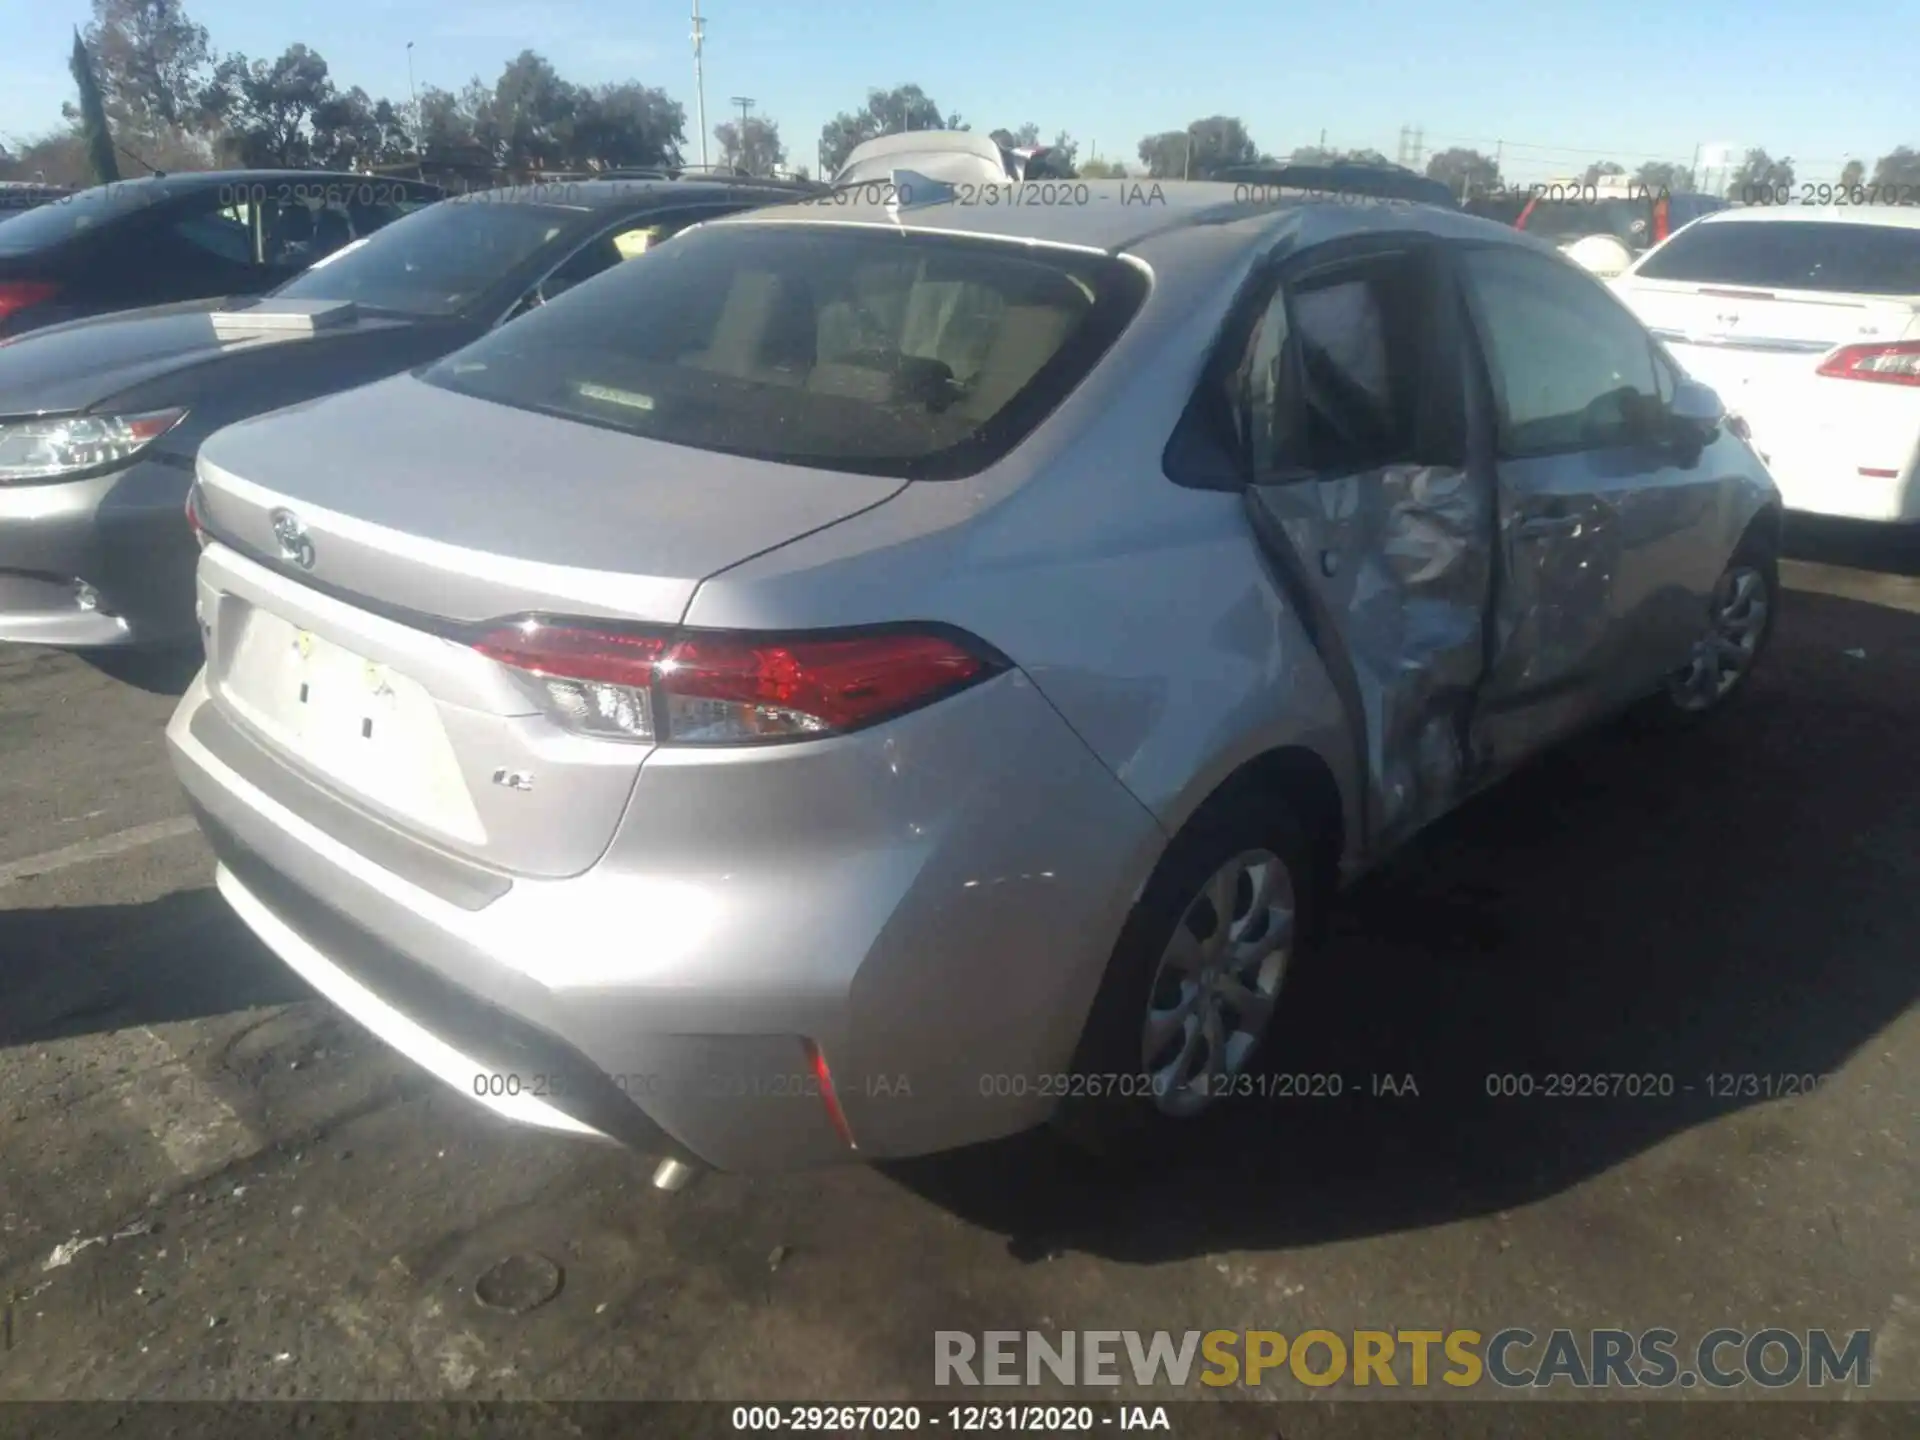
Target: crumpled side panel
<point x="1397" y="562"/>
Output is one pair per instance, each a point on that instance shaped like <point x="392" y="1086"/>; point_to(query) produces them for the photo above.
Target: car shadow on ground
<point x="83" y="969"/>
<point x="1681" y="912"/>
<point x="1887" y="549"/>
<point x="1727" y="903"/>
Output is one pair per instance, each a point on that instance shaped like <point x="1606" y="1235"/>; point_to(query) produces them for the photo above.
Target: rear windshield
<point x="436" y="261"/>
<point x="846" y="348"/>
<point x="69" y="215"/>
<point x="1793" y="255"/>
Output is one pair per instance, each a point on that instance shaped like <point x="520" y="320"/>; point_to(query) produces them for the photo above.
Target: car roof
<point x="601" y="194"/>
<point x="1905" y="217"/>
<point x="189" y="179"/>
<point x="1116" y="215"/>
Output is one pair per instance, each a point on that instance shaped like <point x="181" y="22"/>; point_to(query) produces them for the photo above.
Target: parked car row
<point x="101" y="418"/>
<point x="874" y="676"/>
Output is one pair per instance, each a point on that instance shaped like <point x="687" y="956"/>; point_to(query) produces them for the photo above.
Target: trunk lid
<point x="422" y="512"/>
<point x="82" y="363"/>
<point x="1753" y="345"/>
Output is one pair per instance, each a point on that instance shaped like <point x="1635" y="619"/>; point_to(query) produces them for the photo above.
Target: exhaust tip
<point x="674" y="1175"/>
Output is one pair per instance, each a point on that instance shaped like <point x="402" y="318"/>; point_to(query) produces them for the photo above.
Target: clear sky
<point x="1561" y="82"/>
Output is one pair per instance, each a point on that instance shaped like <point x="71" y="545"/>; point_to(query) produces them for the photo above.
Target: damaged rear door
<point x="1373" y="494"/>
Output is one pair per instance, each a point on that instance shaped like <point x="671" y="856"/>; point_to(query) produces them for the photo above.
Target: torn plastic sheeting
<point x="66" y="1250"/>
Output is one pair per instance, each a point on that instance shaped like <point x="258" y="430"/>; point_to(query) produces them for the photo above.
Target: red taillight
<point x="1520" y="223"/>
<point x="1662" y="220"/>
<point x="721" y="689"/>
<point x="1897" y="363"/>
<point x="19" y="294"/>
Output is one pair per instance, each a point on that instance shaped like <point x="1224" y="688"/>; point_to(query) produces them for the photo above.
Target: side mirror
<point x="1696" y="409"/>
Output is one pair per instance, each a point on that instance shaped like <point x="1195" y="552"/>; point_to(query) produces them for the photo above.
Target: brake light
<point x="1897" y="363"/>
<point x="19" y="294"/>
<point x="733" y="689"/>
<point x="1662" y="220"/>
<point x="1521" y="222"/>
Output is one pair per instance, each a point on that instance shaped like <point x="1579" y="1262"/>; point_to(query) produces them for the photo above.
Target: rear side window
<point x="1793" y="255"/>
<point x="839" y="347"/>
<point x="221" y="230"/>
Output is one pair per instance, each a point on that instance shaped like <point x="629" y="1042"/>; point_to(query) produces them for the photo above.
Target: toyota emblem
<point x="291" y="536"/>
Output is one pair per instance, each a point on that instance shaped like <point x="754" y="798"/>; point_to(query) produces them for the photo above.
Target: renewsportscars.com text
<point x="1512" y="1358"/>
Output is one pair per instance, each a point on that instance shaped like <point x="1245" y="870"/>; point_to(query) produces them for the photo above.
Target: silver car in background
<point x="888" y="672"/>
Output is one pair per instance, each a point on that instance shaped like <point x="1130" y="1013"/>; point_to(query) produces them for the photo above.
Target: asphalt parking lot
<point x="279" y="1207"/>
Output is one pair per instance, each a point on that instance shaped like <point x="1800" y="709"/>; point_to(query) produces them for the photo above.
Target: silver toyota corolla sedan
<point x="886" y="672"/>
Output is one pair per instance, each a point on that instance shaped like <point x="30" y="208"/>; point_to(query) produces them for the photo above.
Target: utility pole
<point x="1693" y="175"/>
<point x="745" y="103"/>
<point x="1419" y="145"/>
<point x="700" y="80"/>
<point x="416" y="101"/>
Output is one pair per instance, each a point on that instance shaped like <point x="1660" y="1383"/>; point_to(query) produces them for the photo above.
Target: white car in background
<point x="1807" y="323"/>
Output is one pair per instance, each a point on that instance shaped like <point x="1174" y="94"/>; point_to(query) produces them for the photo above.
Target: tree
<point x="94" y="128"/>
<point x="1759" y="171"/>
<point x="1853" y="176"/>
<point x="1027" y="135"/>
<point x="1658" y="175"/>
<point x="351" y="130"/>
<point x="268" y="107"/>
<point x="1098" y="169"/>
<point x="753" y="146"/>
<point x="887" y="112"/>
<point x="56" y="158"/>
<point x="629" y="125"/>
<point x="1204" y="147"/>
<point x="1899" y="169"/>
<point x="152" y="60"/>
<point x="1465" y="172"/>
<point x="1600" y="170"/>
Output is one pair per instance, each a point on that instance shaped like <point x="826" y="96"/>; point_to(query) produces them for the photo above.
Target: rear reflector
<point x="730" y="689"/>
<point x="823" y="1077"/>
<point x="195" y="520"/>
<point x="1897" y="363"/>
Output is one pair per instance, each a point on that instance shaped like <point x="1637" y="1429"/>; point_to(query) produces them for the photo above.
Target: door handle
<point x="1542" y="527"/>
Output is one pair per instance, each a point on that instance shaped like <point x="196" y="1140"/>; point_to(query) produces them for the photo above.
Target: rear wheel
<point x="1192" y="987"/>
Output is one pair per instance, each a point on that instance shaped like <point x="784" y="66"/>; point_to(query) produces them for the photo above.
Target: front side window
<point x="1573" y="370"/>
<point x="844" y="348"/>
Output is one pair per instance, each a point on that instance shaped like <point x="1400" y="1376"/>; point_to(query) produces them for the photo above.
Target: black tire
<point x="1662" y="711"/>
<point x="1109" y="1109"/>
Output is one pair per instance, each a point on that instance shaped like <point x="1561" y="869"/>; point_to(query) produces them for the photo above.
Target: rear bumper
<point x="1831" y="485"/>
<point x="123" y="534"/>
<point x="939" y="945"/>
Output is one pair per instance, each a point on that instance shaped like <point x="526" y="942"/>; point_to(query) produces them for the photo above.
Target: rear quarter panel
<point x="1142" y="610"/>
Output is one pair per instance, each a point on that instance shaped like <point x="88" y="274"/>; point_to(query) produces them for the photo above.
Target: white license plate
<point x="350" y="718"/>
